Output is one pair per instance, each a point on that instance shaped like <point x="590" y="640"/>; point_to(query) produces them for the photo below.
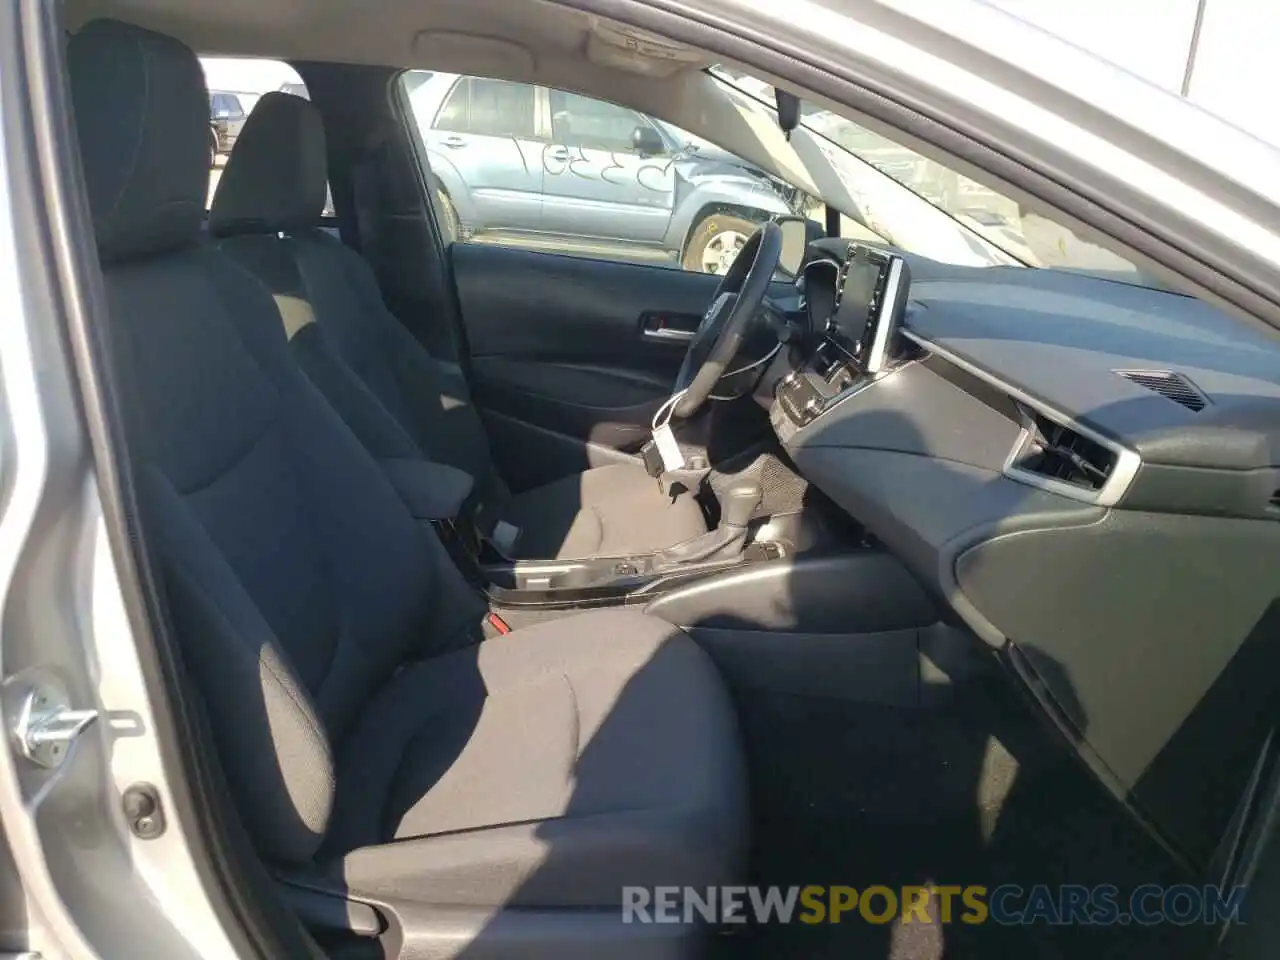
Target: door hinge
<point x="41" y="721"/>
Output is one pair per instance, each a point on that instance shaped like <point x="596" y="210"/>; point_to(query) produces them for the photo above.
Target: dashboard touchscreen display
<point x="858" y="296"/>
<point x="871" y="301"/>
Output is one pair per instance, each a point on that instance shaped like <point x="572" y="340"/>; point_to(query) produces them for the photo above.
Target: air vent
<point x="1173" y="386"/>
<point x="1055" y="452"/>
<point x="1274" y="502"/>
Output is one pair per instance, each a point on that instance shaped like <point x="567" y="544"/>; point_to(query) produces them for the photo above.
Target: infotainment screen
<point x="873" y="296"/>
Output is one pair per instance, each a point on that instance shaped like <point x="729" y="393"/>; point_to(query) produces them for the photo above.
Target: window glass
<point x="226" y="104"/>
<point x="453" y="115"/>
<point x="924" y="206"/>
<point x="559" y="172"/>
<point x="497" y="108"/>
<point x="236" y="84"/>
<point x="579" y="121"/>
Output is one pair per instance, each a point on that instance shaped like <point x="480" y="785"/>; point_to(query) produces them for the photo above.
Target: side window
<point x="559" y="172"/>
<point x="453" y="115"/>
<point x="236" y="84"/>
<point x="488" y="108"/>
<point x="578" y="121"/>
<point x="500" y="109"/>
<point x="226" y="106"/>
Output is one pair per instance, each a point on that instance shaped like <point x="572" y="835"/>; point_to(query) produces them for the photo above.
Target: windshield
<point x="993" y="229"/>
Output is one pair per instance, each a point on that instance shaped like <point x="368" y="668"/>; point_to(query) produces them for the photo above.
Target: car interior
<point x="507" y="578"/>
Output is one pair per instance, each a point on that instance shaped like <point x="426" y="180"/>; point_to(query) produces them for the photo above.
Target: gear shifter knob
<point x="740" y="503"/>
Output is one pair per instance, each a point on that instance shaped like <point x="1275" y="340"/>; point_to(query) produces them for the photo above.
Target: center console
<point x="855" y="299"/>
<point x="854" y="305"/>
<point x="600" y="581"/>
<point x="605" y="581"/>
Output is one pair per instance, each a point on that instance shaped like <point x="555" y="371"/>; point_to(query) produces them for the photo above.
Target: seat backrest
<point x="274" y="186"/>
<point x="297" y="581"/>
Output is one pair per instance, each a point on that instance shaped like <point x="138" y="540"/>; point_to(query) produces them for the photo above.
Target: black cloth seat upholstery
<point x="364" y="734"/>
<point x="590" y="732"/>
<point x="272" y="191"/>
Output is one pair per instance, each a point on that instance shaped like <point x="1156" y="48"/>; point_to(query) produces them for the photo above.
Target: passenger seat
<point x="271" y="194"/>
<point x="503" y="792"/>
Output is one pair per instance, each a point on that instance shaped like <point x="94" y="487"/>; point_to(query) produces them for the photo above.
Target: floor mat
<point x="980" y="793"/>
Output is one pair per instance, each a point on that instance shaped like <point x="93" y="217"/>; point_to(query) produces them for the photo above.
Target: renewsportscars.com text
<point x="1008" y="904"/>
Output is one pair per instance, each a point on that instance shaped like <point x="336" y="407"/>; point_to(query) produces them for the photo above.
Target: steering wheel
<point x="720" y="333"/>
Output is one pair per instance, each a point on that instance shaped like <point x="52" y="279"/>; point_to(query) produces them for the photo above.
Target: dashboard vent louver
<point x="1059" y="453"/>
<point x="1172" y="386"/>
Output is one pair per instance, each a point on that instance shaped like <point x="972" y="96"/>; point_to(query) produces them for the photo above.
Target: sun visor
<point x="623" y="47"/>
<point x="471" y="53"/>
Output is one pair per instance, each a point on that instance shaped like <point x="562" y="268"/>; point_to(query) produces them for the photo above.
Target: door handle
<point x="557" y="153"/>
<point x="454" y="142"/>
<point x="666" y="333"/>
<point x="669" y="327"/>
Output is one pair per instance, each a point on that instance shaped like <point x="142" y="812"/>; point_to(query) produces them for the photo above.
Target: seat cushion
<point x="606" y="511"/>
<point x="545" y="768"/>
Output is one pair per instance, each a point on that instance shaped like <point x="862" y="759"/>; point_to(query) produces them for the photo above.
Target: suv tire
<point x="447" y="215"/>
<point x="715" y="241"/>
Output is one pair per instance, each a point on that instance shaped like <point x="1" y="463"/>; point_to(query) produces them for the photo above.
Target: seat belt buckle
<point x="504" y="536"/>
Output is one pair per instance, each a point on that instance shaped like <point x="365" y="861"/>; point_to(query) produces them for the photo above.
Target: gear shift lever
<point x="739" y="504"/>
<point x="727" y="540"/>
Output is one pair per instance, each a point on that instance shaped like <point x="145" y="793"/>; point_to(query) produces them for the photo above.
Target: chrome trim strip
<point x="879" y="349"/>
<point x="667" y="333"/>
<point x="1127" y="461"/>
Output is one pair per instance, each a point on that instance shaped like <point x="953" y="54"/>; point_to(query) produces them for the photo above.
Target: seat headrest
<point x="276" y="176"/>
<point x="142" y="118"/>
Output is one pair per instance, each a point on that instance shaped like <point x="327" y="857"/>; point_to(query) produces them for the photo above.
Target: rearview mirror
<point x="788" y="111"/>
<point x="647" y="142"/>
<point x="797" y="234"/>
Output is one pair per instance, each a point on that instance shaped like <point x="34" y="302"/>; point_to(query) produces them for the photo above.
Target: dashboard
<point x="1087" y="473"/>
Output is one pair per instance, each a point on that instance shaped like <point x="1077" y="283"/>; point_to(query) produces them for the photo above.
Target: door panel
<point x="558" y="348"/>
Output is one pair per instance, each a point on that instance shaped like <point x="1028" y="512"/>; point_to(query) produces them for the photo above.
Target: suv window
<point x="249" y="78"/>
<point x="491" y="108"/>
<point x="523" y="165"/>
<point x="226" y="105"/>
<point x="578" y="121"/>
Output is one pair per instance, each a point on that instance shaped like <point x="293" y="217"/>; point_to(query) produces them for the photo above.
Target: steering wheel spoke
<point x="720" y="334"/>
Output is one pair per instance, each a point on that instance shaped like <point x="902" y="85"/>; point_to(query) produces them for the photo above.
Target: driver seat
<point x="394" y="396"/>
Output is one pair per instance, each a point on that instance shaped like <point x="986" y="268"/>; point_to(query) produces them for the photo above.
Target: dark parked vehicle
<point x="226" y="119"/>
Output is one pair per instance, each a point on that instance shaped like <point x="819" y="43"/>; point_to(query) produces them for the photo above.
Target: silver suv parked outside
<point x="521" y="163"/>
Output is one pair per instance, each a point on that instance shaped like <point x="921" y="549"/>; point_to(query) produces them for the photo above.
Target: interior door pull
<point x="668" y="326"/>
